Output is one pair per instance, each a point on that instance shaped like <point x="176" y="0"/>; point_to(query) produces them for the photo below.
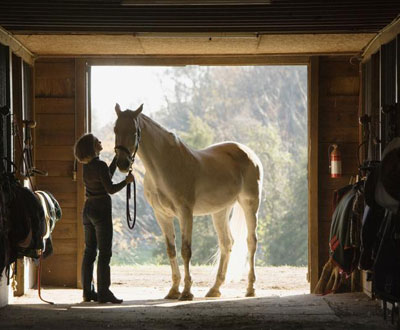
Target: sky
<point x="130" y="86"/>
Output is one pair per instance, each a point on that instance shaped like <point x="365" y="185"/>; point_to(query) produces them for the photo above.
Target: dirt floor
<point x="282" y="302"/>
<point x="270" y="280"/>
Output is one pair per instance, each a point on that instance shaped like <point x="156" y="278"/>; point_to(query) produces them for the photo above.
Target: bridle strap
<point x="124" y="149"/>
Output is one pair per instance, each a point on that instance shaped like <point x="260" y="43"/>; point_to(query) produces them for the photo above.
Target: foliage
<point x="263" y="107"/>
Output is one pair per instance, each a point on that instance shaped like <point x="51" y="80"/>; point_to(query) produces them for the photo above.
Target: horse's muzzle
<point x="123" y="165"/>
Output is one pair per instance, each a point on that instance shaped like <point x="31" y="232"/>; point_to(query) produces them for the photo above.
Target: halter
<point x="128" y="187"/>
<point x="130" y="157"/>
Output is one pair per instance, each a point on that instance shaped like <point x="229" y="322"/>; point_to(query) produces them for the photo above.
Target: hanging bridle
<point x="131" y="159"/>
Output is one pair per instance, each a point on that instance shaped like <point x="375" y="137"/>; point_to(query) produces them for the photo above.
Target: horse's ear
<point x="138" y="110"/>
<point x="117" y="109"/>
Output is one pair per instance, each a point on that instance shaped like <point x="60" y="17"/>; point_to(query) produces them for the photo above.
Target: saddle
<point x="52" y="213"/>
<point x="26" y="221"/>
<point x="52" y="210"/>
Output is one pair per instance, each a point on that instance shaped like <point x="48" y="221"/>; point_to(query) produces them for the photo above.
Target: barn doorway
<point x="263" y="107"/>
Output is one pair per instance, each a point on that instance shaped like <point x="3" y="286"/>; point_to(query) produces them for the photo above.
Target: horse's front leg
<point x="166" y="224"/>
<point x="186" y="224"/>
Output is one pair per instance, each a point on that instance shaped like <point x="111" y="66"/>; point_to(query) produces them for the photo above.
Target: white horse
<point x="182" y="182"/>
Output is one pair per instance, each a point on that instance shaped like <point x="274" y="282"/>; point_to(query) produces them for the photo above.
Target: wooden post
<point x="80" y="128"/>
<point x="313" y="237"/>
<point x="17" y="88"/>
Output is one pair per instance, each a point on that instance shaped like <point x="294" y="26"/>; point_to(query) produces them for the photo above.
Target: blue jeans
<point x="98" y="228"/>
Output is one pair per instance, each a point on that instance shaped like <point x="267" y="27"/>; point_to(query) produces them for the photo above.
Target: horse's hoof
<point x="213" y="293"/>
<point x="173" y="294"/>
<point x="186" y="296"/>
<point x="251" y="293"/>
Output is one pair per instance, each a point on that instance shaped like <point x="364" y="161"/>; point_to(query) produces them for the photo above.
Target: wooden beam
<point x="384" y="36"/>
<point x="159" y="3"/>
<point x="200" y="60"/>
<point x="6" y="38"/>
<point x="194" y="45"/>
<point x="313" y="230"/>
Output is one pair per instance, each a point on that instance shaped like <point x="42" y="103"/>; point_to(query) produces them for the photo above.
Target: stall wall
<point x="54" y="103"/>
<point x="338" y="99"/>
<point x="5" y="144"/>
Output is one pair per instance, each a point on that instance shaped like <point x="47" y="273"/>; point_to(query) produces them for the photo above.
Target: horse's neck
<point x="159" y="148"/>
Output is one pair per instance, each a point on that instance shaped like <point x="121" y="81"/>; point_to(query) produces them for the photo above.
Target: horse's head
<point x="127" y="136"/>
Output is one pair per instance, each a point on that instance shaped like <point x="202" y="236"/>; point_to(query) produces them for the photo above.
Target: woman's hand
<point x="129" y="178"/>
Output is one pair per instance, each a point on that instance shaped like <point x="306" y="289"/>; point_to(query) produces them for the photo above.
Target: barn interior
<point x="351" y="50"/>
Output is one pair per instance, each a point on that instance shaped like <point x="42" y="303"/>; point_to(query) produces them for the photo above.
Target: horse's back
<point x="226" y="172"/>
<point x="236" y="152"/>
<point x="234" y="158"/>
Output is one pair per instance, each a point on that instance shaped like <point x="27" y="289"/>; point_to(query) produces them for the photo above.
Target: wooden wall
<point x="338" y="99"/>
<point x="54" y="104"/>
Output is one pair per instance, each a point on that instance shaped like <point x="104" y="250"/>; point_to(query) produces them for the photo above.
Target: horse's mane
<point x="171" y="136"/>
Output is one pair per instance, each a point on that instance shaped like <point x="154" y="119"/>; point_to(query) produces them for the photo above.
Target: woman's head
<point x="86" y="148"/>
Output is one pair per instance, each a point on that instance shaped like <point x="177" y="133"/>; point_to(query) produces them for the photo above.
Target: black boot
<point x="109" y="297"/>
<point x="91" y="296"/>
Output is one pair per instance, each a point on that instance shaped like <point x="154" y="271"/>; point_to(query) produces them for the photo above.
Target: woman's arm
<point x="105" y="177"/>
<point x="113" y="166"/>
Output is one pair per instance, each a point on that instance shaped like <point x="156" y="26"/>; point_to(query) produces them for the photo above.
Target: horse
<point x="182" y="182"/>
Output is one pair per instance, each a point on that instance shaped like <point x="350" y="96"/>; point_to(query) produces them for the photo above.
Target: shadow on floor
<point x="306" y="311"/>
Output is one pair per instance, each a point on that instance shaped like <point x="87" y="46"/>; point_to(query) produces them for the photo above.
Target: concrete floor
<point x="290" y="310"/>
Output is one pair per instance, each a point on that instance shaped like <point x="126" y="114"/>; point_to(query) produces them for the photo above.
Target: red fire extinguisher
<point x="335" y="161"/>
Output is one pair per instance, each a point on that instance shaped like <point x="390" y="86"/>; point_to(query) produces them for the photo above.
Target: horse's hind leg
<point x="167" y="226"/>
<point x="250" y="208"/>
<point x="221" y="225"/>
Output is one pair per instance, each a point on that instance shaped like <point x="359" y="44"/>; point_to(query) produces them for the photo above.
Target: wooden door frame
<point x="313" y="192"/>
<point x="82" y="120"/>
<point x="81" y="126"/>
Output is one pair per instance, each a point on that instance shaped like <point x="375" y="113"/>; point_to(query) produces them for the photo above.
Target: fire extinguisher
<point x="335" y="161"/>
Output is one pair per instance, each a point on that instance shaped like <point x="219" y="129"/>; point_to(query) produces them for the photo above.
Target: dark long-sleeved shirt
<point x="97" y="177"/>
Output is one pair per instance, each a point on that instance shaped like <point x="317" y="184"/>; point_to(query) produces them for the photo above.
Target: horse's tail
<point x="238" y="259"/>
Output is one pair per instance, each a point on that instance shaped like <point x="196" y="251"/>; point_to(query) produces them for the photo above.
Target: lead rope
<point x="128" y="197"/>
<point x="39" y="272"/>
<point x="128" y="190"/>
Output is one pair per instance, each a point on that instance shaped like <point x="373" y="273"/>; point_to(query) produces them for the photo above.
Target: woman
<point x="97" y="219"/>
